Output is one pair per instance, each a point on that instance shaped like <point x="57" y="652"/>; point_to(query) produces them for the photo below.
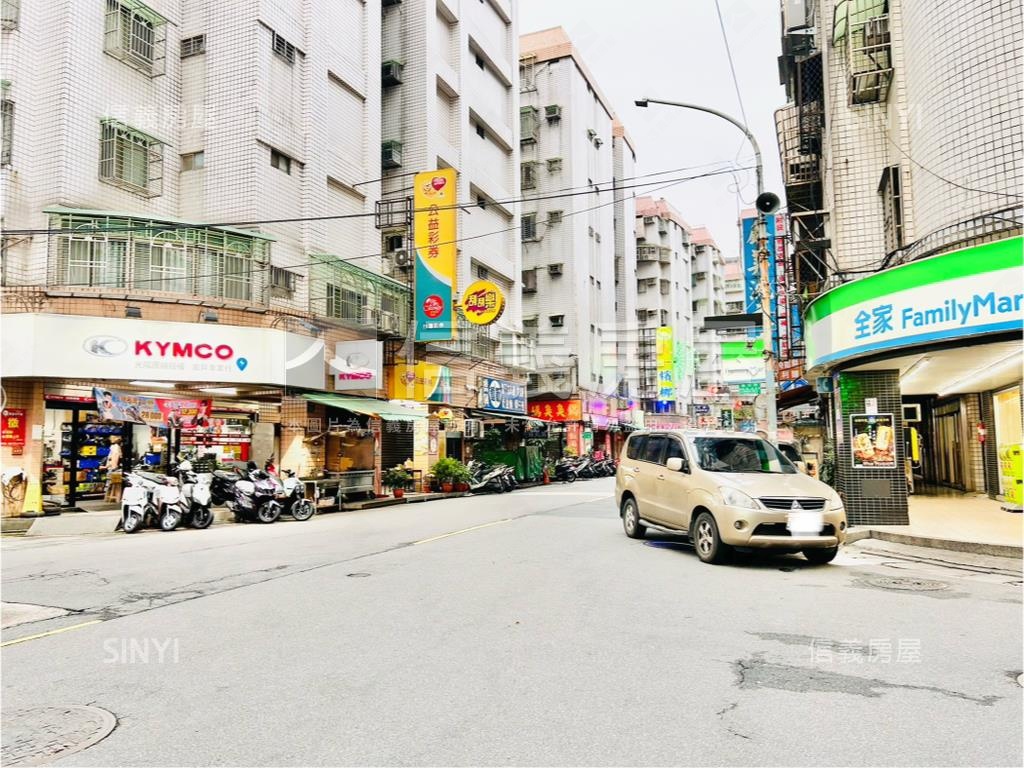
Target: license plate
<point x="805" y="523"/>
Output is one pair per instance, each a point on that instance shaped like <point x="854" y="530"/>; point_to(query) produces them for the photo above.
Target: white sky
<point x="673" y="50"/>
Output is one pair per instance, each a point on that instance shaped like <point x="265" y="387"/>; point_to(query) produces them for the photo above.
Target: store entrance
<point x="949" y="469"/>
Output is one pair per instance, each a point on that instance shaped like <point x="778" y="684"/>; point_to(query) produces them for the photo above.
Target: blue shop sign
<point x="501" y="395"/>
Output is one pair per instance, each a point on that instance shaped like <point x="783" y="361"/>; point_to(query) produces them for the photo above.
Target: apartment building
<point x="903" y="162"/>
<point x="624" y="225"/>
<point x="708" y="299"/>
<point x="568" y="242"/>
<point x="665" y="284"/>
<point x="450" y="76"/>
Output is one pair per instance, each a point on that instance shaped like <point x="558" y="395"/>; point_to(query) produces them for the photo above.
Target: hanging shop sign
<point x="176" y="413"/>
<point x="663" y="353"/>
<point x="421" y="382"/>
<point x="501" y="395"/>
<point x="357" y="365"/>
<point x="750" y="388"/>
<point x="874" y="441"/>
<point x="482" y="302"/>
<point x="557" y="410"/>
<point x="970" y="292"/>
<point x="12" y="429"/>
<point x="742" y="361"/>
<point x="434" y="235"/>
<point x="60" y="346"/>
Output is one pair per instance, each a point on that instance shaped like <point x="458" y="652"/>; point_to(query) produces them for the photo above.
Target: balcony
<point x="357" y="297"/>
<point x="861" y="29"/>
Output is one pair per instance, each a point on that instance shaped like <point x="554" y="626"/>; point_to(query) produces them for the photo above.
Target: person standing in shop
<point x="114" y="470"/>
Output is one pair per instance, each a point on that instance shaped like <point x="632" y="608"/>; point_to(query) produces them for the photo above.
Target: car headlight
<point x="835" y="504"/>
<point x="735" y="498"/>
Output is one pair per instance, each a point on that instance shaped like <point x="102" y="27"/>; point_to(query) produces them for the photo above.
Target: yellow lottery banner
<point x="434" y="234"/>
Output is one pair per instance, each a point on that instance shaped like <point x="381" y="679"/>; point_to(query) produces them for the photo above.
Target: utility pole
<point x="767" y="202"/>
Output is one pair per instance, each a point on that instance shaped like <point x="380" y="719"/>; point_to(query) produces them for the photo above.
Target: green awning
<point x="369" y="406"/>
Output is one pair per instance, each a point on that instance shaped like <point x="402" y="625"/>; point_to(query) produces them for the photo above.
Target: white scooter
<point x="196" y="495"/>
<point x="150" y="499"/>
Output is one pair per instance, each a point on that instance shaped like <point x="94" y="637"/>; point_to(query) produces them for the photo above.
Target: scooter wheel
<point x="571" y="477"/>
<point x="202" y="518"/>
<point x="303" y="510"/>
<point x="269" y="512"/>
<point x="169" y="520"/>
<point x="132" y="523"/>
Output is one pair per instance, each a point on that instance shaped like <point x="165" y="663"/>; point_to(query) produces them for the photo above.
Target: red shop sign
<point x="12" y="428"/>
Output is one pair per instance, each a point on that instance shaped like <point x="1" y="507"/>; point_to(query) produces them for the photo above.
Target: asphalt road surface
<point x="520" y="629"/>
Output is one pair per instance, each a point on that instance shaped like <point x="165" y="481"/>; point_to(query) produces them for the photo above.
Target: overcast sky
<point x="673" y="49"/>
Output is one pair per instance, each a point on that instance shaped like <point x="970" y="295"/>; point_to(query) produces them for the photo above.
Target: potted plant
<point x="396" y="479"/>
<point x="447" y="472"/>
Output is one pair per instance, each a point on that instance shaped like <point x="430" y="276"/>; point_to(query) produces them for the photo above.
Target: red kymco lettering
<point x="187" y="349"/>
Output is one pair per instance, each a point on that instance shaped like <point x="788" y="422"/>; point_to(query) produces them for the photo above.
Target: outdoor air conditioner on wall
<point x="369" y="316"/>
<point x="474" y="428"/>
<point x="389" y="322"/>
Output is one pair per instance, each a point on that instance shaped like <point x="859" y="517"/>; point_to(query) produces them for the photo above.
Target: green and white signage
<point x="970" y="292"/>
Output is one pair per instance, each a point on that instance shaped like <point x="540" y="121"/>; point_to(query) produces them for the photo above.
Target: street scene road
<point x="521" y="629"/>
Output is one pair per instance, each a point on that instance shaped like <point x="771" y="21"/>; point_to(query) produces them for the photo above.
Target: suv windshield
<point x="738" y="454"/>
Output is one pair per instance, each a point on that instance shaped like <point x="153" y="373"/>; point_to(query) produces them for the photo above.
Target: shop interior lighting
<point x="984" y="373"/>
<point x="156" y="384"/>
<point x="219" y="390"/>
<point x="130" y="311"/>
<point x="921" y="363"/>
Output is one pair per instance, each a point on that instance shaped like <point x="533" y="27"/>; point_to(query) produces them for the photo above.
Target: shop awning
<point x="484" y="413"/>
<point x="796" y="396"/>
<point x="387" y="411"/>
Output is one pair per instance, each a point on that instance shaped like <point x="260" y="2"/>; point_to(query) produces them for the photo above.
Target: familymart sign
<point x="970" y="292"/>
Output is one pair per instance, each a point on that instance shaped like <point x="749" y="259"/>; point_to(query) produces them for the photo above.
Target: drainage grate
<point x="904" y="584"/>
<point x="40" y="735"/>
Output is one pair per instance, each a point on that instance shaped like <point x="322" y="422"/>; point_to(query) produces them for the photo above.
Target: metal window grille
<point x="7" y="148"/>
<point x="529" y="124"/>
<point x="890" y="188"/>
<point x="112" y="252"/>
<point x="282" y="279"/>
<point x="131" y="159"/>
<point x="137" y="35"/>
<point x="357" y="296"/>
<point x="10" y="12"/>
<point x="528" y="172"/>
<point x="283" y="48"/>
<point x="529" y="226"/>
<point x="193" y="46"/>
<point x="529" y="278"/>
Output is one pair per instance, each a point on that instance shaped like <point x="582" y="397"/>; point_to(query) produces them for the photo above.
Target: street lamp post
<point x="766" y="203"/>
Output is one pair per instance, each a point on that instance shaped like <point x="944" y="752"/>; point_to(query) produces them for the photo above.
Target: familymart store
<point x="921" y="366"/>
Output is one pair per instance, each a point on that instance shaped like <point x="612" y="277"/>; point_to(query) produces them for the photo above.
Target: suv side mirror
<point x="675" y="464"/>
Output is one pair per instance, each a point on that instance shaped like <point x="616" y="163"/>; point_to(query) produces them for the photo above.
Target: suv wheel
<point x="821" y="556"/>
<point x="706" y="540"/>
<point x="631" y="519"/>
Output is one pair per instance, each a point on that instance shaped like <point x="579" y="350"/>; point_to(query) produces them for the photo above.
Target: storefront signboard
<point x="482" y="302"/>
<point x="959" y="294"/>
<point x="176" y="413"/>
<point x="664" y="357"/>
<point x="434" y="235"/>
<point x="422" y="383"/>
<point x="874" y="441"/>
<point x="64" y="346"/>
<point x="557" y="410"/>
<point x="750" y="388"/>
<point x="501" y="395"/>
<point x="357" y="365"/>
<point x="742" y="361"/>
<point x="12" y="429"/>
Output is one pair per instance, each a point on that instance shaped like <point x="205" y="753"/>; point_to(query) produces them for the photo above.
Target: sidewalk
<point x="960" y="522"/>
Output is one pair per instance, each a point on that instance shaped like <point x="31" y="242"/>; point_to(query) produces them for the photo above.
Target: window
<point x="528" y="175"/>
<point x="161" y="266"/>
<point x="282" y="279"/>
<point x="557" y="321"/>
<point x="482" y="273"/>
<point x="481" y="201"/>
<point x="653" y="449"/>
<point x="7" y="133"/>
<point x="10" y="10"/>
<point x="193" y="46"/>
<point x="674" y="450"/>
<point x="344" y="304"/>
<point x="529" y="279"/>
<point x="892" y="208"/>
<point x="193" y="161"/>
<point x="136" y="35"/>
<point x="529" y="125"/>
<point x="281" y="161"/>
<point x="529" y="226"/>
<point x="283" y="48"/>
<point x="130" y="158"/>
<point x="635" y="448"/>
<point x="480" y="131"/>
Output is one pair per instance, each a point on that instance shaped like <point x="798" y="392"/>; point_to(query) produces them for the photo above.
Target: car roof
<point x="691" y="433"/>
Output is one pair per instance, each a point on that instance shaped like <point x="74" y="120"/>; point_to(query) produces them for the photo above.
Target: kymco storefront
<point x="77" y="384"/>
<point x="921" y="366"/>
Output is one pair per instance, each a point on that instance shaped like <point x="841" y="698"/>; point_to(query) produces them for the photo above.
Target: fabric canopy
<point x="387" y="411"/>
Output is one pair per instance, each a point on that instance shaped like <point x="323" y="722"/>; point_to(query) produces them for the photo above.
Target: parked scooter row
<point x="491" y="478"/>
<point x="252" y="494"/>
<point x="572" y="468"/>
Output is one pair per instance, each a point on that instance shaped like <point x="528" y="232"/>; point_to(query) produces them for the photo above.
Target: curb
<point x="972" y="547"/>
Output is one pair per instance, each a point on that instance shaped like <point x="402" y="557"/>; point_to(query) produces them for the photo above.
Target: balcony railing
<point x="357" y="297"/>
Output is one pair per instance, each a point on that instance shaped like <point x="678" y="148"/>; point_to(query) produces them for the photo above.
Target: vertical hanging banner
<point x="434" y="233"/>
<point x="664" y="357"/>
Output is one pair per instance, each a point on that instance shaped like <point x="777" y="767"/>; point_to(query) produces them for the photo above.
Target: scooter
<point x="197" y="494"/>
<point x="150" y="499"/>
<point x="256" y="497"/>
<point x="566" y="470"/>
<point x="222" y="485"/>
<point x="485" y="478"/>
<point x="293" y="498"/>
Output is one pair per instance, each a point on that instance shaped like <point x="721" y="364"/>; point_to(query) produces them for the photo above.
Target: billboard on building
<point x="434" y="234"/>
<point x="752" y="271"/>
<point x="664" y="353"/>
<point x="357" y="365"/>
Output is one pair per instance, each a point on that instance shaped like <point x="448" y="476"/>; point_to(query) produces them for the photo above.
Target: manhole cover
<point x="40" y="735"/>
<point x="906" y="584"/>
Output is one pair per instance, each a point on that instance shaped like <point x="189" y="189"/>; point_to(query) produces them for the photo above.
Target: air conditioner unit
<point x="402" y="259"/>
<point x="389" y="322"/>
<point x="369" y="316"/>
<point x="554" y="270"/>
<point x="391" y="154"/>
<point x="391" y="73"/>
<point x="553" y="112"/>
<point x="474" y="428"/>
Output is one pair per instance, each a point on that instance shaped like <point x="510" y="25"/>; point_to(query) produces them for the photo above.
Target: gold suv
<point x="726" y="490"/>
